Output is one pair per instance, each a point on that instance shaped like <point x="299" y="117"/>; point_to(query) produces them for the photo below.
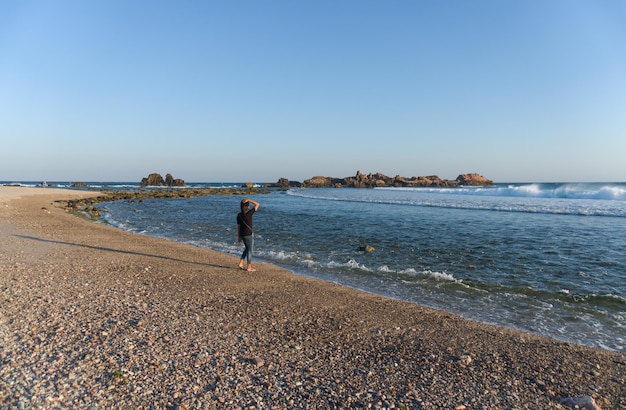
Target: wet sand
<point x="92" y="317"/>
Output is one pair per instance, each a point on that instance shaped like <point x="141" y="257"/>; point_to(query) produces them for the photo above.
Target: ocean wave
<point x="440" y="276"/>
<point x="353" y="264"/>
<point x="615" y="302"/>
<point x="561" y="199"/>
<point x="286" y="256"/>
<point x="21" y="184"/>
<point x="614" y="192"/>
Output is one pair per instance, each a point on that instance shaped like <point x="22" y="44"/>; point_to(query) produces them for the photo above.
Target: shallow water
<point x="545" y="258"/>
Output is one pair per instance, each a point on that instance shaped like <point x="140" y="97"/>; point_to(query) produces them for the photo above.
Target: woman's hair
<point x="244" y="206"/>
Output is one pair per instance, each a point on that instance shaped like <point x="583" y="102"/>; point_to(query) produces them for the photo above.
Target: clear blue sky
<point x="517" y="91"/>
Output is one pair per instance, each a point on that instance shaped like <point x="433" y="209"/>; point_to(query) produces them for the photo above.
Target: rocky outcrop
<point x="473" y="180"/>
<point x="283" y="183"/>
<point x="170" y="181"/>
<point x="157" y="180"/>
<point x="153" y="180"/>
<point x="380" y="180"/>
<point x="322" y="182"/>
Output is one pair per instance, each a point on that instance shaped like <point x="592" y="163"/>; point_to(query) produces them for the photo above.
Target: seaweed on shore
<point x="85" y="207"/>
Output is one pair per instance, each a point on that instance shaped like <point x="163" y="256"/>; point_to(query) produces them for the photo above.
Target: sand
<point x="92" y="317"/>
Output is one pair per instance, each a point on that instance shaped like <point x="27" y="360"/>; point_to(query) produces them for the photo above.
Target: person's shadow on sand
<point x="100" y="248"/>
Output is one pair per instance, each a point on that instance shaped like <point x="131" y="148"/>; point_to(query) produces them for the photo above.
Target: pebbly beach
<point x="93" y="317"/>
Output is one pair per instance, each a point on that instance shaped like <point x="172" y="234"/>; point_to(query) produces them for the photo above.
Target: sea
<point x="546" y="258"/>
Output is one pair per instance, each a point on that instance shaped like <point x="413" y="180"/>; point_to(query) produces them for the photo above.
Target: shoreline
<point x="95" y="316"/>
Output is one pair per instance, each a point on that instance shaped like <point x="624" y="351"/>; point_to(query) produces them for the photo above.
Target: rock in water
<point x="157" y="180"/>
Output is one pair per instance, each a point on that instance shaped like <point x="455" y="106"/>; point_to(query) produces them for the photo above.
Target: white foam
<point x="440" y="275"/>
<point x="356" y="265"/>
<point x="572" y="191"/>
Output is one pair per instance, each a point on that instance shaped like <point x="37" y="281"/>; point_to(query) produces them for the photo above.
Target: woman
<point x="245" y="233"/>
